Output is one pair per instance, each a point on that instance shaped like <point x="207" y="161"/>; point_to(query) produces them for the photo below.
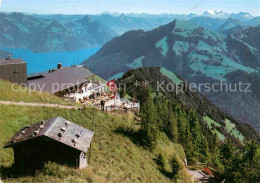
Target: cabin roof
<point x="60" y="79"/>
<point x="11" y="61"/>
<point x="58" y="129"/>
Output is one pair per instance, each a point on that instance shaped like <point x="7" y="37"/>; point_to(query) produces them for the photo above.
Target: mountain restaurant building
<point x="61" y="81"/>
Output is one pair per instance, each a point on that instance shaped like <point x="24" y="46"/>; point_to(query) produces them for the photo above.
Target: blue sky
<point x="129" y="6"/>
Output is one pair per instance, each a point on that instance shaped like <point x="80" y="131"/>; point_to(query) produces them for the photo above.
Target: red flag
<point x="111" y="82"/>
<point x="208" y="170"/>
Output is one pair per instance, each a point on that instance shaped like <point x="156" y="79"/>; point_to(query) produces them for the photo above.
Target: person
<point x="102" y="105"/>
<point x="124" y="107"/>
<point x="102" y="102"/>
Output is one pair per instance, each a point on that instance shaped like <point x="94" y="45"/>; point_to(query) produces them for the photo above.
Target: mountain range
<point x="231" y="26"/>
<point x="210" y="19"/>
<point x="196" y="55"/>
<point x="43" y="35"/>
<point x="49" y="33"/>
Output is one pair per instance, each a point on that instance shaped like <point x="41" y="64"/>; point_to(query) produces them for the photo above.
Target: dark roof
<point x="60" y="79"/>
<point x="58" y="129"/>
<point x="11" y="61"/>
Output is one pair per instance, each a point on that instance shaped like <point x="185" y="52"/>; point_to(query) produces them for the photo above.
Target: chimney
<point x="59" y="66"/>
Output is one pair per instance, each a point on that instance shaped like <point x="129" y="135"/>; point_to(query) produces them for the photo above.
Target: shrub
<point x="175" y="167"/>
<point x="161" y="161"/>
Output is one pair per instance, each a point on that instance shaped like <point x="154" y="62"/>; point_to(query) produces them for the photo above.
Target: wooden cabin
<point x="56" y="140"/>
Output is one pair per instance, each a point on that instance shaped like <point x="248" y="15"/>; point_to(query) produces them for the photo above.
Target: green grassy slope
<point x="171" y="76"/>
<point x="9" y="92"/>
<point x="115" y="158"/>
<point x="117" y="155"/>
<point x="231" y="128"/>
<point x="210" y="122"/>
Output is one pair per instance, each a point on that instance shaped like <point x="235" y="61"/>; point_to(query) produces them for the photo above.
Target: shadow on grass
<point x="134" y="135"/>
<point x="162" y="169"/>
<point x="166" y="173"/>
<point x="13" y="172"/>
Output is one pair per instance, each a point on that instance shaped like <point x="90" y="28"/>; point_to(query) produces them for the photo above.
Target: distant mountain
<point x="18" y="30"/>
<point x="161" y="19"/>
<point x="122" y="23"/>
<point x="194" y="53"/>
<point x="231" y="26"/>
<point x="55" y="37"/>
<point x="59" y="17"/>
<point x="251" y="37"/>
<point x="215" y="14"/>
<point x="254" y="22"/>
<point x="208" y="22"/>
<point x="242" y="16"/>
<point x="90" y="32"/>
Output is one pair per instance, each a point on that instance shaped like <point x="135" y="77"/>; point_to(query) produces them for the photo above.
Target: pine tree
<point x="227" y="156"/>
<point x="162" y="113"/>
<point x="204" y="151"/>
<point x="251" y="162"/>
<point x="148" y="118"/>
<point x="182" y="124"/>
<point x="172" y="128"/>
<point x="195" y="132"/>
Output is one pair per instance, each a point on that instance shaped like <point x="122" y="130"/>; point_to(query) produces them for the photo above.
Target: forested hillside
<point x="234" y="159"/>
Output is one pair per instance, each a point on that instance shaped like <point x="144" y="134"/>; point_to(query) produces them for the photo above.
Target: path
<point x="198" y="176"/>
<point x="38" y="105"/>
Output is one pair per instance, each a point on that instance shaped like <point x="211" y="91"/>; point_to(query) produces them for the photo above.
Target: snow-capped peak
<point x="243" y="16"/>
<point x="215" y="13"/>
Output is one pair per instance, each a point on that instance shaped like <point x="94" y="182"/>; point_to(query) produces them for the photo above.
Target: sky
<point x="129" y="6"/>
